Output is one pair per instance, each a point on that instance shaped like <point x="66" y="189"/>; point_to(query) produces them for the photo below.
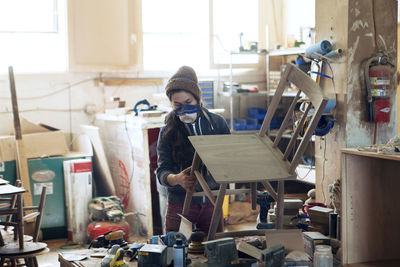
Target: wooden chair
<point x="31" y="249"/>
<point x="256" y="158"/>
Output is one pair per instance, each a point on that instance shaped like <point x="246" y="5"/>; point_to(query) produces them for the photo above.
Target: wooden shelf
<point x="286" y="52"/>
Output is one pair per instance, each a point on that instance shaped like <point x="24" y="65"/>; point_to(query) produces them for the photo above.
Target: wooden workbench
<point x="370" y="208"/>
<point x="197" y="261"/>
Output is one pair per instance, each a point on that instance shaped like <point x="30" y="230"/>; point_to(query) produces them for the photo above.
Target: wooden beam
<point x="22" y="162"/>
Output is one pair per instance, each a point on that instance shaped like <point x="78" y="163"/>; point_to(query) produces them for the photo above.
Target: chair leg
<point x="186" y="204"/>
<point x="188" y="197"/>
<point x="35" y="262"/>
<point x="39" y="218"/>
<point x="1" y="239"/>
<point x="253" y="196"/>
<point x="20" y="222"/>
<point x="280" y="202"/>
<point x="29" y="262"/>
<point x="217" y="212"/>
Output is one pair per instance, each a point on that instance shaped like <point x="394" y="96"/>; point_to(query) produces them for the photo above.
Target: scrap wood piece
<point x="100" y="161"/>
<point x="22" y="162"/>
<point x="291" y="239"/>
<point x="249" y="250"/>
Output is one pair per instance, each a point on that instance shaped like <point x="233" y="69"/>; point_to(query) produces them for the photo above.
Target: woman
<point x="175" y="152"/>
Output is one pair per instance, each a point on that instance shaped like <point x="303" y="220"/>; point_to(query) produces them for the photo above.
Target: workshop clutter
<point x="39" y="141"/>
<point x="106" y="214"/>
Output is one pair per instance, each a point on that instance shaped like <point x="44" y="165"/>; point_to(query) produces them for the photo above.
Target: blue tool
<point x="320" y="48"/>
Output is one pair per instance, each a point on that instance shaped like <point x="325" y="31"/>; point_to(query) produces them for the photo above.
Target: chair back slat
<point x="296" y="133"/>
<point x="307" y="136"/>
<point x="286" y="119"/>
<point x="275" y="101"/>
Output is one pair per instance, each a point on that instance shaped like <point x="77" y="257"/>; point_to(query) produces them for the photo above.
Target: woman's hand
<point x="183" y="178"/>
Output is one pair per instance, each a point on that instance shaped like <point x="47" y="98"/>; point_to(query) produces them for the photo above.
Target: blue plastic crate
<point x="275" y="123"/>
<point x="257" y="113"/>
<point x="238" y="124"/>
<point x="251" y="123"/>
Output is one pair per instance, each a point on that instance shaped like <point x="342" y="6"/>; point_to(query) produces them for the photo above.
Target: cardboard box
<point x="39" y="141"/>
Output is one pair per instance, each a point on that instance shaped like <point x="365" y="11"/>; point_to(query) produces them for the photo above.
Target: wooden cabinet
<point x="370" y="208"/>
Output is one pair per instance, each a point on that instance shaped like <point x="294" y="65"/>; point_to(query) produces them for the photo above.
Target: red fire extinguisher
<point x="377" y="72"/>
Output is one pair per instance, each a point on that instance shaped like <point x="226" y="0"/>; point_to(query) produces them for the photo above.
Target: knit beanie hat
<point x="184" y="79"/>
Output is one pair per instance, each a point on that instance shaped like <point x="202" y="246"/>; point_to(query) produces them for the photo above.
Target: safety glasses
<point x="187" y="109"/>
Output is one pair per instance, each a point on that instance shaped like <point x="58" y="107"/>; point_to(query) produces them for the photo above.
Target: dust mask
<point x="188" y="118"/>
<point x="187" y="113"/>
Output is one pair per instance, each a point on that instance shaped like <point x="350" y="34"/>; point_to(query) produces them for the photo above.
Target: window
<point x="196" y="33"/>
<point x="298" y="25"/>
<point x="235" y="23"/>
<point x="33" y="36"/>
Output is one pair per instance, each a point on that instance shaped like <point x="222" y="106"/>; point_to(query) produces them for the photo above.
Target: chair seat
<point x="12" y="248"/>
<point x="241" y="158"/>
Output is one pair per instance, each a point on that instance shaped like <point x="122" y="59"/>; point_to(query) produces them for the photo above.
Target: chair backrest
<point x="37" y="215"/>
<point x="316" y="99"/>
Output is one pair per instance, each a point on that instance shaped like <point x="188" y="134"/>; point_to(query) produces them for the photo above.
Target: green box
<point x="49" y="172"/>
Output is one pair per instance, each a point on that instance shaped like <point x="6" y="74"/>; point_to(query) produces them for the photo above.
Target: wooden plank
<point x="394" y="156"/>
<point x="230" y="157"/>
<point x="249" y="250"/>
<point x="100" y="160"/>
<point x="291" y="239"/>
<point x="215" y="219"/>
<point x="258" y="232"/>
<point x="22" y="162"/>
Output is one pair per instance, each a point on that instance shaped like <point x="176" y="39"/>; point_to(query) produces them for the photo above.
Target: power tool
<point x="114" y="257"/>
<point x="133" y="250"/>
<point x="264" y="200"/>
<point x="109" y="239"/>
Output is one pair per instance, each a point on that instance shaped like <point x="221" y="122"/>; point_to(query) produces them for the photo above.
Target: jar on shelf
<point x="323" y="256"/>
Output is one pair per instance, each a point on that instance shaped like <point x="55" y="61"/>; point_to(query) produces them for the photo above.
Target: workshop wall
<point x="355" y="34"/>
<point x="61" y="100"/>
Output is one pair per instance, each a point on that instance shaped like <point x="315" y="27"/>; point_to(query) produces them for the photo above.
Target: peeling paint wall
<point x="372" y="25"/>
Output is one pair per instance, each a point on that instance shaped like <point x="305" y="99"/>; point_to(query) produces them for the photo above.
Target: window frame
<point x="212" y="63"/>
